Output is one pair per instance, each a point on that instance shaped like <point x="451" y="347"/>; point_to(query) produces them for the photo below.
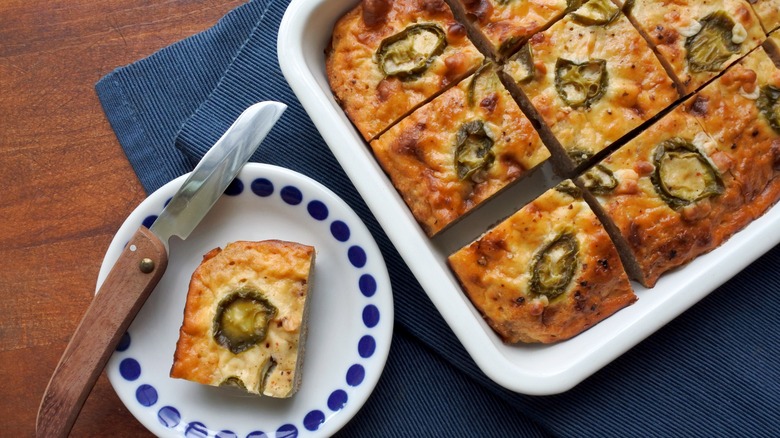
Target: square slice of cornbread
<point x="245" y="318"/>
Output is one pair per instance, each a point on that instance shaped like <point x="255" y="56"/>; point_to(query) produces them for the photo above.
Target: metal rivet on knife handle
<point x="146" y="265"/>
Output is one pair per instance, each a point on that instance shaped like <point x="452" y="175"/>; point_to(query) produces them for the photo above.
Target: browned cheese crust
<point x="565" y="63"/>
<point x="675" y="26"/>
<point x="374" y="100"/>
<point x="497" y="272"/>
<point x="274" y="274"/>
<point x="421" y="153"/>
<point x="661" y="230"/>
<point x="729" y="109"/>
<point x="504" y="25"/>
<point x="768" y="12"/>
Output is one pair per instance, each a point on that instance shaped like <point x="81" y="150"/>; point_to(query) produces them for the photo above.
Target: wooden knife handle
<point x="130" y="282"/>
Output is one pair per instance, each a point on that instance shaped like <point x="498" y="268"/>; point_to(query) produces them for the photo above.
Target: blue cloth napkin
<point x="714" y="371"/>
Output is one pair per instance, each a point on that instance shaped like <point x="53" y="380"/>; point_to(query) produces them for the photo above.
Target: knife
<point x="141" y="265"/>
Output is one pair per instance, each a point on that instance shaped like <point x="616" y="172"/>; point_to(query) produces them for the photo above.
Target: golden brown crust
<point x="279" y="271"/>
<point x="667" y="24"/>
<point x="657" y="235"/>
<point x="507" y="24"/>
<point x="373" y="101"/>
<point x="637" y="86"/>
<point x="496" y="271"/>
<point x="662" y="236"/>
<point x="748" y="146"/>
<point x="768" y="11"/>
<point x="419" y="153"/>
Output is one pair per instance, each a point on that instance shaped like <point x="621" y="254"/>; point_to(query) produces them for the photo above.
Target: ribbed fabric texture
<point x="147" y="102"/>
<point x="420" y="395"/>
<point x="714" y="371"/>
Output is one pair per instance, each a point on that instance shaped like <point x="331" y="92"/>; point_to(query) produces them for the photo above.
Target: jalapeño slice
<point x="580" y="84"/>
<point x="473" y="150"/>
<point x="599" y="180"/>
<point x="569" y="188"/>
<point x="554" y="266"/>
<point x="682" y="174"/>
<point x="521" y="65"/>
<point x="485" y="74"/>
<point x="410" y="52"/>
<point x="242" y="319"/>
<point x="769" y="105"/>
<point x="596" y="13"/>
<point x="712" y="45"/>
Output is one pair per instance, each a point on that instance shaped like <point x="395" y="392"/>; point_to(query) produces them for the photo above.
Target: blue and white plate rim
<point x="285" y="193"/>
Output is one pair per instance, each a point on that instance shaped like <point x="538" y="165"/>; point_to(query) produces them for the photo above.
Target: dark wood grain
<point x="65" y="184"/>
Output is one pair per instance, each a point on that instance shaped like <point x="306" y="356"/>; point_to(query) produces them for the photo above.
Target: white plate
<point x="350" y="325"/>
<point x="303" y="36"/>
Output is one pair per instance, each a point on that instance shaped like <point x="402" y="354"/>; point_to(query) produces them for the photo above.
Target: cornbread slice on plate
<point x="387" y="57"/>
<point x="592" y="79"/>
<point x="504" y="25"/>
<point x="460" y="149"/>
<point x="698" y="39"/>
<point x="545" y="274"/>
<point x="245" y="318"/>
<point x="667" y="196"/>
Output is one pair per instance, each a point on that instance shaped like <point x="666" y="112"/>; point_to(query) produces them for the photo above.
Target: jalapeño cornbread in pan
<point x="741" y="112"/>
<point x="667" y="193"/>
<point x="545" y="274"/>
<point x="459" y="150"/>
<point x="504" y="25"/>
<point x="698" y="39"/>
<point x="245" y="318"/>
<point x="387" y="57"/>
<point x="663" y="112"/>
<point x="592" y="78"/>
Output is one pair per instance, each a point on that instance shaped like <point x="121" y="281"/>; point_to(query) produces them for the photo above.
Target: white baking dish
<point x="532" y="369"/>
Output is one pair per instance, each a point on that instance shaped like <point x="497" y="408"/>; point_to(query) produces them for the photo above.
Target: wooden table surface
<point x="65" y="183"/>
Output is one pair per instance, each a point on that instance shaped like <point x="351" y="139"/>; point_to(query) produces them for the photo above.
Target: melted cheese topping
<point x="496" y="272"/>
<point x="636" y="87"/>
<point x="279" y="271"/>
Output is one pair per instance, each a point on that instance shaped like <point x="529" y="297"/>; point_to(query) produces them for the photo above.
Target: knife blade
<point x="141" y="265"/>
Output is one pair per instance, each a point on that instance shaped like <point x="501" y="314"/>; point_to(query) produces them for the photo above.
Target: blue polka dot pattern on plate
<point x="169" y="416"/>
<point x="130" y="369"/>
<point x="262" y="187"/>
<point x="313" y="420"/>
<point x="337" y="400"/>
<point x="234" y="188"/>
<point x="355" y="375"/>
<point x="366" y="346"/>
<point x="124" y="342"/>
<point x="357" y="256"/>
<point x="291" y="195"/>
<point x="367" y="285"/>
<point x="318" y="211"/>
<point x="146" y="395"/>
<point x="196" y="430"/>
<point x="149" y="220"/>
<point x="287" y="431"/>
<point x="370" y="316"/>
<point x="340" y="231"/>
